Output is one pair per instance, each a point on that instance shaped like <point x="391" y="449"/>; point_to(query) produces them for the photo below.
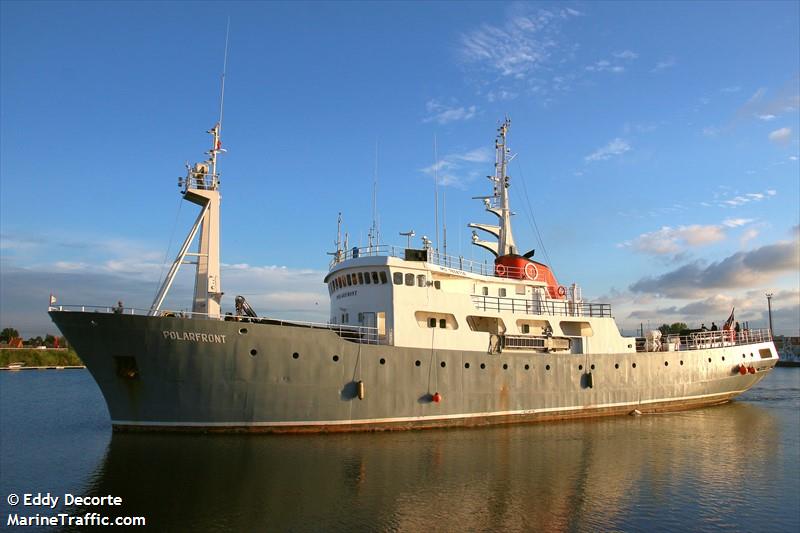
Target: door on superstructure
<point x="370" y="321"/>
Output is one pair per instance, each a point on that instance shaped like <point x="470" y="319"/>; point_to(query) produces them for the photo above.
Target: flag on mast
<point x="52" y="299"/>
<point x="729" y="322"/>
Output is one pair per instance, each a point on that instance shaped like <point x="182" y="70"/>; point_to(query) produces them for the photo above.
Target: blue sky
<point x="657" y="142"/>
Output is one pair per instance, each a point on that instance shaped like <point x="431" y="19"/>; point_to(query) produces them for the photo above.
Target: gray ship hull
<point x="171" y="373"/>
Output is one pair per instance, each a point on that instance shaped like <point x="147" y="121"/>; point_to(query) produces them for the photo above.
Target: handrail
<point x="541" y="307"/>
<point x="360" y="334"/>
<point x="385" y="250"/>
<point x="701" y="340"/>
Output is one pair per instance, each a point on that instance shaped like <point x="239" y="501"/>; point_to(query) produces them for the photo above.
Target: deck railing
<point x="541" y="307"/>
<point x="359" y="334"/>
<point x="703" y="339"/>
<point x="431" y="256"/>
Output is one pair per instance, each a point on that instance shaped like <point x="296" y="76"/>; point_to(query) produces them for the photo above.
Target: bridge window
<point x="383" y="277"/>
<point x="485" y="291"/>
<point x="355" y="278"/>
<point x="501" y="293"/>
<point x="361" y="278"/>
<point x="421" y="280"/>
<point x="437" y="284"/>
<point x="347" y="277"/>
<point x="431" y="322"/>
<point x="397" y="277"/>
<point x="375" y="278"/>
<point x="410" y="280"/>
<point x="443" y="323"/>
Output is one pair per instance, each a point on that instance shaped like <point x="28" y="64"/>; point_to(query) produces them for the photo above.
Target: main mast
<point x="201" y="187"/>
<point x="498" y="203"/>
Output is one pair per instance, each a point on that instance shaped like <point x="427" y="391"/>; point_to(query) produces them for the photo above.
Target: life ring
<point x="500" y="270"/>
<point x="531" y="272"/>
<point x="561" y="290"/>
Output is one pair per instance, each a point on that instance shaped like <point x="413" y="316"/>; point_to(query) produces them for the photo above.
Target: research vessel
<point x="415" y="339"/>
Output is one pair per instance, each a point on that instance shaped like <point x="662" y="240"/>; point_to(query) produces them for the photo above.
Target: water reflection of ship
<point x="551" y="477"/>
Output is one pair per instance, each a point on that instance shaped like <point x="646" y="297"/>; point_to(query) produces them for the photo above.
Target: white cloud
<point x="518" y="47"/>
<point x="615" y="147"/>
<point x="443" y="114"/>
<point x="626" y="54"/>
<point x="781" y="135"/>
<point x="744" y="198"/>
<point x="732" y="89"/>
<point x="766" y="117"/>
<point x="665" y="64"/>
<point x="458" y="168"/>
<point x="668" y="240"/>
<point x="736" y="222"/>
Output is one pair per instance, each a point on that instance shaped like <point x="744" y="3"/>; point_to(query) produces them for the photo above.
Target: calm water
<point x="735" y="467"/>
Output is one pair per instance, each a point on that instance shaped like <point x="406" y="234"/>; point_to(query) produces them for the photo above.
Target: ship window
<point x="367" y="279"/>
<point x="501" y="293"/>
<point x="398" y="278"/>
<point x="421" y="280"/>
<point x="361" y="278"/>
<point x="375" y="278"/>
<point x="354" y="278"/>
<point x="485" y="291"/>
<point x="430" y="320"/>
<point x="520" y="289"/>
<point x="437" y="284"/>
<point x="526" y="328"/>
<point x="348" y="280"/>
<point x="410" y="280"/>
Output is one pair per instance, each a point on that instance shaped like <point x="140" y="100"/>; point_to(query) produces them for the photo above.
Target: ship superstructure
<point x="415" y="339"/>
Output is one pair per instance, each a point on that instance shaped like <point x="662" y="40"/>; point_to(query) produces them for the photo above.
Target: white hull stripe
<point x="362" y="421"/>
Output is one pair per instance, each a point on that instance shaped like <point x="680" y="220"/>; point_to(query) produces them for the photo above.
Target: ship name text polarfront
<point x="193" y="336"/>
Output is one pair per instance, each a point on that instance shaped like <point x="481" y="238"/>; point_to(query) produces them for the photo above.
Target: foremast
<point x="201" y="187"/>
<point x="498" y="203"/>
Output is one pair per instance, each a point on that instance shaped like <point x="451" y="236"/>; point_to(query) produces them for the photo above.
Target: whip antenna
<point x="224" y="70"/>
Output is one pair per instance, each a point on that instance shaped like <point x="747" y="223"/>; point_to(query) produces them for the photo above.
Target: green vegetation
<point x="33" y="357"/>
<point x="676" y="328"/>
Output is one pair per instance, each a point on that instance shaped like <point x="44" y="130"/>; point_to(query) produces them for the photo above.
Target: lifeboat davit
<point x="518" y="267"/>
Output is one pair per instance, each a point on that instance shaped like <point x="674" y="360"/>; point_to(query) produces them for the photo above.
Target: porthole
<point x="666" y="363"/>
<point x="383" y="361"/>
<point x="681" y="362"/>
<point x="417" y="363"/>
<point x="443" y="364"/>
<point x="751" y="354"/>
<point x="580" y="367"/>
<point x="547" y="367"/>
<point x="616" y="365"/>
<point x="743" y="356"/>
<point x="483" y="365"/>
<point x="335" y="358"/>
<point x="527" y="367"/>
<point x="466" y="365"/>
<point x="592" y="367"/>
<point x="709" y="359"/>
<point x="633" y="365"/>
<point x="295" y="355"/>
<point x="243" y="331"/>
<point x="723" y="357"/>
<point x="253" y="352"/>
<point x="505" y="366"/>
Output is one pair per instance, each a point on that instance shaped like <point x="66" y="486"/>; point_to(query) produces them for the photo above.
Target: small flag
<point x="729" y="322"/>
<point x="52" y="299"/>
